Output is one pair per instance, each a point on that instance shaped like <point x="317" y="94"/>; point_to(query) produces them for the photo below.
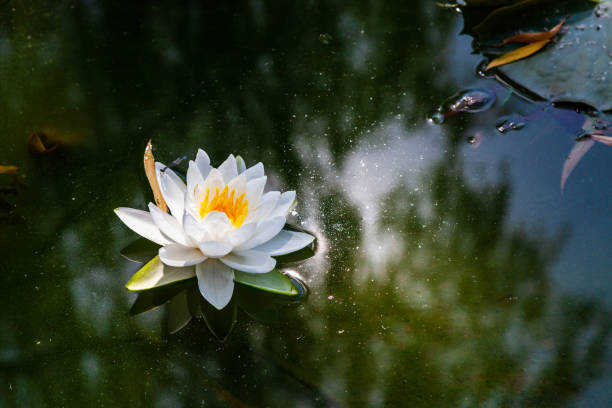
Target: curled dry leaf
<point x="533" y="37"/>
<point x="149" y="165"/>
<point x="517" y="54"/>
<point x="607" y="140"/>
<point x="10" y="170"/>
<point x="575" y="155"/>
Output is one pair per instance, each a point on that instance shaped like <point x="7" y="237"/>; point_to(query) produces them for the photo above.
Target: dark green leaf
<point x="273" y="281"/>
<point x="141" y="250"/>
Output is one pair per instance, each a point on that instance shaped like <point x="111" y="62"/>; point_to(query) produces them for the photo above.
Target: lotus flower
<point x="220" y="221"/>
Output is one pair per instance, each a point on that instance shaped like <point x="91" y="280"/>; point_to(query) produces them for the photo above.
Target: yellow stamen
<point x="236" y="210"/>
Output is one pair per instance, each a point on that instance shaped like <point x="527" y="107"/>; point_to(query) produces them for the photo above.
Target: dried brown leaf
<point x="533" y="37"/>
<point x="149" y="165"/>
<point x="607" y="140"/>
<point x="517" y="54"/>
<point x="43" y="143"/>
<point x="575" y="155"/>
<point x="10" y="170"/>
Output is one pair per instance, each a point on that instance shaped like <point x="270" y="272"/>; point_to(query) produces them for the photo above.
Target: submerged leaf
<point x="151" y="299"/>
<point x="534" y="36"/>
<point x="576" y="154"/>
<point x="517" y="54"/>
<point x="141" y="250"/>
<point x="155" y="274"/>
<point x="219" y="322"/>
<point x="178" y="312"/>
<point x="149" y="165"/>
<point x="10" y="170"/>
<point x="273" y="281"/>
<point x="41" y="142"/>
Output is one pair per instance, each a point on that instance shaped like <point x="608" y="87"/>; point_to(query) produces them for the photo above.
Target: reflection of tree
<point x="465" y="317"/>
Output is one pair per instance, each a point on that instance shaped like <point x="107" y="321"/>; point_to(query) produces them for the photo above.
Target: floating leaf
<point x="141" y="250"/>
<point x="150" y="299"/>
<point x="577" y="152"/>
<point x="178" y="312"/>
<point x="273" y="281"/>
<point x="155" y="274"/>
<point x="297" y="256"/>
<point x="575" y="69"/>
<point x="149" y="165"/>
<point x="517" y="54"/>
<point x="534" y="36"/>
<point x="10" y="170"/>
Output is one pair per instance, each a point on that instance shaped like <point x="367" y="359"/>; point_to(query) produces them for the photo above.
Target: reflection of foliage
<point x="465" y="317"/>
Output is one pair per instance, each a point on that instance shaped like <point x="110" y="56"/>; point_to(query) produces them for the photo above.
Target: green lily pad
<point x="575" y="67"/>
<point x="141" y="250"/>
<point x="273" y="281"/>
<point x="151" y="299"/>
<point x="295" y="257"/>
<point x="155" y="274"/>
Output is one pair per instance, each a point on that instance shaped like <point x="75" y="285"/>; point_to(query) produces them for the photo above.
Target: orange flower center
<point x="235" y="209"/>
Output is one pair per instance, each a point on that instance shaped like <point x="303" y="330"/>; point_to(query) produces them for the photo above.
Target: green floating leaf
<point x="297" y="256"/>
<point x="155" y="274"/>
<point x="273" y="281"/>
<point x="575" y="67"/>
<point x="150" y="299"/>
<point x="141" y="250"/>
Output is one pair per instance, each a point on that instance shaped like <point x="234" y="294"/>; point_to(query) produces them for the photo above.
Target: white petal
<point x="168" y="225"/>
<point x="286" y="242"/>
<point x="239" y="184"/>
<point x="179" y="255"/>
<point x="194" y="229"/>
<point x="254" y="190"/>
<point x="192" y="207"/>
<point x="265" y="232"/>
<point x="265" y="206"/>
<point x="216" y="224"/>
<point x="173" y="189"/>
<point x="240" y="235"/>
<point x="194" y="178"/>
<point x="255" y="171"/>
<point x="250" y="261"/>
<point x="284" y="204"/>
<point x="214" y="181"/>
<point x="203" y="162"/>
<point x="228" y="169"/>
<point x="216" y="282"/>
<point x="141" y="223"/>
<point x="214" y="249"/>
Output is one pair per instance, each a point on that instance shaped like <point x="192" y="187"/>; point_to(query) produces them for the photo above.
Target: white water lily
<point x="220" y="221"/>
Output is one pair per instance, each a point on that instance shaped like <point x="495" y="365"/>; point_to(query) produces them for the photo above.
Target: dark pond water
<point x="451" y="270"/>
